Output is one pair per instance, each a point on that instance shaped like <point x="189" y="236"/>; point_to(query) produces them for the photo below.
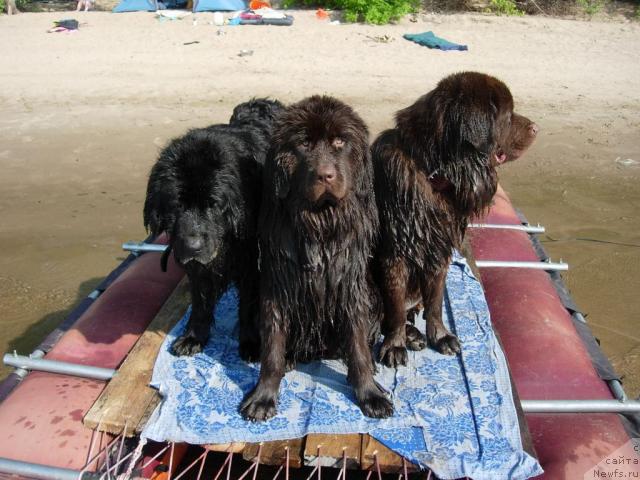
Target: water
<point x="62" y="225"/>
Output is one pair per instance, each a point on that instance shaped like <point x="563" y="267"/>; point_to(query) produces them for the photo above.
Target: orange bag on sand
<point x="321" y="14"/>
<point x="258" y="4"/>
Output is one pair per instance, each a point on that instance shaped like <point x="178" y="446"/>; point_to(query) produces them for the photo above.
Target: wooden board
<point x="328" y="450"/>
<point x="388" y="460"/>
<point x="127" y="399"/>
<point x="233" y="447"/>
<point x="275" y="453"/>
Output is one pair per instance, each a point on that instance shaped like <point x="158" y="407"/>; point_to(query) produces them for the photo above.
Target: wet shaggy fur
<point x="204" y="191"/>
<point x="433" y="172"/>
<point x="317" y="227"/>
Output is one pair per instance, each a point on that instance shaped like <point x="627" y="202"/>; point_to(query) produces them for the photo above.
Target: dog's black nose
<point x="193" y="243"/>
<point x="326" y="173"/>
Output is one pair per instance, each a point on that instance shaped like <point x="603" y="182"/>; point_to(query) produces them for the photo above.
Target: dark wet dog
<point x="317" y="226"/>
<point x="204" y="191"/>
<point x="433" y="172"/>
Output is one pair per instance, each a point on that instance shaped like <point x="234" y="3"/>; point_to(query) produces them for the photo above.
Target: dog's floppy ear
<point x="472" y="174"/>
<point x="471" y="128"/>
<point x="233" y="214"/>
<point x="159" y="215"/>
<point x="161" y="204"/>
<point x="360" y="148"/>
<point x="278" y="180"/>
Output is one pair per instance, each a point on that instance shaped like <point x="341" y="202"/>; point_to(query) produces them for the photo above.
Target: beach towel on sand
<point x="429" y="39"/>
<point x="453" y="414"/>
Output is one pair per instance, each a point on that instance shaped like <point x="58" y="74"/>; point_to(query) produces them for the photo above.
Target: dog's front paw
<point x="258" y="406"/>
<point x="415" y="339"/>
<point x="375" y="404"/>
<point x="393" y="353"/>
<point x="393" y="356"/>
<point x="187" y="345"/>
<point x="448" y="344"/>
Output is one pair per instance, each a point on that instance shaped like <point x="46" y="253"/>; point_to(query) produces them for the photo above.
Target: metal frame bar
<point x="139" y="247"/>
<point x="580" y="406"/>
<point x="617" y="389"/>
<point x="35" y="470"/>
<point x="560" y="266"/>
<point x="522" y="228"/>
<point x="56" y="366"/>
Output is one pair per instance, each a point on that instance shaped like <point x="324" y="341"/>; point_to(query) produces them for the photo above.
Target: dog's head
<point x="260" y="111"/>
<point x="462" y="130"/>
<point x="320" y="146"/>
<point x="192" y="195"/>
<point x="520" y="135"/>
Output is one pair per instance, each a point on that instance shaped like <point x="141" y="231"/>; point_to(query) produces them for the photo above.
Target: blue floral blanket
<point x="454" y="415"/>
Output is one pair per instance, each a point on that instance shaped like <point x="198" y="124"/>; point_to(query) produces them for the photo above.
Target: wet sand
<point x="84" y="116"/>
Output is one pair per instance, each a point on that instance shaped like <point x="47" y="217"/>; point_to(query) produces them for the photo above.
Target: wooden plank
<point x="233" y="447"/>
<point x="275" y="453"/>
<point x="153" y="403"/>
<point x="328" y="450"/>
<point x="127" y="399"/>
<point x="389" y="461"/>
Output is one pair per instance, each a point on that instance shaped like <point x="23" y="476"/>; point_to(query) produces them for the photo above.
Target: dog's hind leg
<point x="248" y="318"/>
<point x="393" y="285"/>
<point x="260" y="404"/>
<point x="372" y="398"/>
<point x="205" y="292"/>
<point x="439" y="338"/>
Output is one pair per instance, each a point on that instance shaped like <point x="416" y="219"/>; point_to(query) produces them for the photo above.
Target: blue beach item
<point x="429" y="39"/>
<point x="218" y="5"/>
<point x="136" y="6"/>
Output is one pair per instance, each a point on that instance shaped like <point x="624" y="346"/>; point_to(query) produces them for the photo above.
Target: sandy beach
<point x="85" y="114"/>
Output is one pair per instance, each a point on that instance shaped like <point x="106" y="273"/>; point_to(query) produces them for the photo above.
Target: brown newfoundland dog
<point x="317" y="226"/>
<point x="433" y="171"/>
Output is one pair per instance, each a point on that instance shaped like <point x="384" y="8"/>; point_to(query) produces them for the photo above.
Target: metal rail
<point x="618" y="391"/>
<point x="559" y="266"/>
<point x="139" y="247"/>
<point x="55" y="366"/>
<point x="529" y="406"/>
<point x="522" y="228"/>
<point x="22" y="372"/>
<point x="35" y="470"/>
<point x="580" y="406"/>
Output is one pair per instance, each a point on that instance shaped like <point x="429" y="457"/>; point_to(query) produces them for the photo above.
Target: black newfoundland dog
<point x="317" y="226"/>
<point x="433" y="171"/>
<point x="204" y="191"/>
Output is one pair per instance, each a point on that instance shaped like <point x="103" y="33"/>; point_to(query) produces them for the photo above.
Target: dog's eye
<point x="305" y="144"/>
<point x="337" y="142"/>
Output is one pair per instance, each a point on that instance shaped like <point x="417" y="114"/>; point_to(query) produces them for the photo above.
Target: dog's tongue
<point x="501" y="158"/>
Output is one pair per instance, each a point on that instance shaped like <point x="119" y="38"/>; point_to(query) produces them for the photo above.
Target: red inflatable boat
<point x="572" y="398"/>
